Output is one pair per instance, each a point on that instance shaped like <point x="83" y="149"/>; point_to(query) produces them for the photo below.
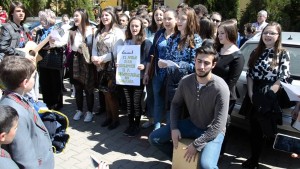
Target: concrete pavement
<point x="122" y="152"/>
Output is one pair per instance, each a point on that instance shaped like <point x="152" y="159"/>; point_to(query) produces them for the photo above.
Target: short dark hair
<point x="14" y="70"/>
<point x="118" y="9"/>
<point x="249" y="28"/>
<point x="207" y="49"/>
<point x="7" y="116"/>
<point x="13" y="6"/>
<point x="200" y="9"/>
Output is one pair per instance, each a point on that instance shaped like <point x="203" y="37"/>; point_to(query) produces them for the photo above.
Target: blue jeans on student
<point x="209" y="156"/>
<point x="159" y="99"/>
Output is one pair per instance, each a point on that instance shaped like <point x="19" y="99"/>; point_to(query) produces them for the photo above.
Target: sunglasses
<point x="216" y="20"/>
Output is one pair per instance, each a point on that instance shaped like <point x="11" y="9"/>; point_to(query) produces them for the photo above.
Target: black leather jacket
<point x="10" y="39"/>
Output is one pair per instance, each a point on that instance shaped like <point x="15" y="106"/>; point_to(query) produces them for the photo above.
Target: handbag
<point x="79" y="69"/>
<point x="85" y="49"/>
<point x="107" y="77"/>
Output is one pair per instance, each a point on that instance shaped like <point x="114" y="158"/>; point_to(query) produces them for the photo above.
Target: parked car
<point x="291" y="42"/>
<point x="34" y="23"/>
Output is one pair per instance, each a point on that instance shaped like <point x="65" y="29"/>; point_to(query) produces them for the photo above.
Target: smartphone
<point x="287" y="143"/>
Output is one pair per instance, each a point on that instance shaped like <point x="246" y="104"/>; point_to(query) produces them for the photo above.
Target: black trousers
<point x="89" y="94"/>
<point x="51" y="86"/>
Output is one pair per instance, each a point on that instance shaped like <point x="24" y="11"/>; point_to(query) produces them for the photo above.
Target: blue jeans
<point x="159" y="98"/>
<point x="209" y="156"/>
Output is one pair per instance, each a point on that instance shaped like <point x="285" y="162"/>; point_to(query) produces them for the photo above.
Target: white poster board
<point x="128" y="59"/>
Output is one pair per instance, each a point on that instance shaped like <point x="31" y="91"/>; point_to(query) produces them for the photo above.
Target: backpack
<point x="56" y="124"/>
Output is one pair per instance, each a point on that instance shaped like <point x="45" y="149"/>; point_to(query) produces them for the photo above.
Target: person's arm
<point x="284" y="70"/>
<point x="5" y="40"/>
<point x="250" y="87"/>
<point x="235" y="70"/>
<point x="175" y="111"/>
<point x="220" y="119"/>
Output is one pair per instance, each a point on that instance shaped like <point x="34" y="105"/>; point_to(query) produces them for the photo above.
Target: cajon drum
<point x="178" y="161"/>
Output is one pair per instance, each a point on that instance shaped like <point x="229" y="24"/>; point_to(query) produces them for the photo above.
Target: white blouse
<point x="78" y="38"/>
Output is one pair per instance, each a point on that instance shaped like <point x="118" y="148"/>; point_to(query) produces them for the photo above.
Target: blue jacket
<point x="31" y="147"/>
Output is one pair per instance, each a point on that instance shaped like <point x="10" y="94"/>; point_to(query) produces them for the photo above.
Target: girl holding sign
<point x="135" y="35"/>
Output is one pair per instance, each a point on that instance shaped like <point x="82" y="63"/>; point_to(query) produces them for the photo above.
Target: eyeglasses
<point x="216" y="20"/>
<point x="270" y="33"/>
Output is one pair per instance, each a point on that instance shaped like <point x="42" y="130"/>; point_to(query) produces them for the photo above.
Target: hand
<point x="250" y="96"/>
<point x="146" y="79"/>
<point x="176" y="136"/>
<point x="141" y="67"/>
<point x="190" y="153"/>
<point x="51" y="40"/>
<point x="162" y="64"/>
<point x="103" y="165"/>
<point x="31" y="58"/>
<point x="294" y="155"/>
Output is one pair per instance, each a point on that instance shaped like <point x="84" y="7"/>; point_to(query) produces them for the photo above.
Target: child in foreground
<point x="8" y="127"/>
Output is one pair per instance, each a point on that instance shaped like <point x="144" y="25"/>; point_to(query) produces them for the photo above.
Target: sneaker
<point x="73" y="94"/>
<point x="147" y="124"/>
<point x="78" y="115"/>
<point x="156" y="126"/>
<point x="88" y="117"/>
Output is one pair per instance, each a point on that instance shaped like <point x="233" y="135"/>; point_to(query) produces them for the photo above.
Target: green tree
<point x="227" y="8"/>
<point x="276" y="12"/>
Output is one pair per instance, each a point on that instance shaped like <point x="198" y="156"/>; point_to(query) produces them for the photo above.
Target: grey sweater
<point x="207" y="106"/>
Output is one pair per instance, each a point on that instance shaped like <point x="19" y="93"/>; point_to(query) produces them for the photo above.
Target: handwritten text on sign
<point x="128" y="61"/>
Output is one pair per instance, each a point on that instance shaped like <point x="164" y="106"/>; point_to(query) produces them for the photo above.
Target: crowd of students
<point x="200" y="82"/>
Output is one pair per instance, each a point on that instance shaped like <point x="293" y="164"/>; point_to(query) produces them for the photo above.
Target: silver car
<point x="291" y="42"/>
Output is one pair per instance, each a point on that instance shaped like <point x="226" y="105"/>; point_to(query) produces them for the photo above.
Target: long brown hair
<point x="192" y="27"/>
<point x="141" y="36"/>
<point x="113" y="23"/>
<point x="230" y="29"/>
<point x="261" y="47"/>
<point x="84" y="23"/>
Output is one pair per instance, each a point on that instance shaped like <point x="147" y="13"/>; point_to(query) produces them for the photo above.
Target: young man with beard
<point x="206" y="97"/>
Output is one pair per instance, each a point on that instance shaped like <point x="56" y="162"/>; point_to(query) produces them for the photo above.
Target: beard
<point x="203" y="75"/>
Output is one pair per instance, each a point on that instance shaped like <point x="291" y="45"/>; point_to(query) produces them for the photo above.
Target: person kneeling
<point x="206" y="97"/>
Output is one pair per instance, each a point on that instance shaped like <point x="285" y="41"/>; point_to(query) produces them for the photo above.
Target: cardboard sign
<point x="128" y="60"/>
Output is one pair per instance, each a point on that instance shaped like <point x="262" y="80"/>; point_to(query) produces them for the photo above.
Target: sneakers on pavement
<point x="88" y="117"/>
<point x="78" y="115"/>
<point x="73" y="94"/>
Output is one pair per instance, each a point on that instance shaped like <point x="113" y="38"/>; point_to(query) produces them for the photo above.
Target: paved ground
<point x="122" y="152"/>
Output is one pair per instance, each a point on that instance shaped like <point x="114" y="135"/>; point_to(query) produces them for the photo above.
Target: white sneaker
<point x="73" y="94"/>
<point x="78" y="115"/>
<point x="88" y="117"/>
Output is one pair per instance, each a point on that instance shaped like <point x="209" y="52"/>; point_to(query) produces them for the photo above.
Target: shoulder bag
<point x="107" y="76"/>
